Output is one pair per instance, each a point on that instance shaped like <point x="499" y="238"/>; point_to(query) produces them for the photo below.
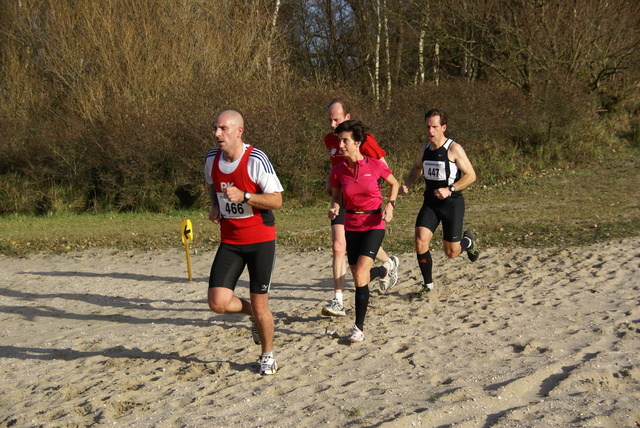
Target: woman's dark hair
<point x="358" y="129"/>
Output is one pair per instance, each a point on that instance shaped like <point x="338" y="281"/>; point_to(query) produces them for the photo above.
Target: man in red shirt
<point x="338" y="112"/>
<point x="244" y="190"/>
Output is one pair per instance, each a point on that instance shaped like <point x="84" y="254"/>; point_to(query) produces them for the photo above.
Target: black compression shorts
<point x="366" y="243"/>
<point x="449" y="211"/>
<point x="340" y="217"/>
<point x="231" y="259"/>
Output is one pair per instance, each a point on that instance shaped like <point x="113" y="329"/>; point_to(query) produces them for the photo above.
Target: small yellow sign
<point x="187" y="238"/>
<point x="187" y="232"/>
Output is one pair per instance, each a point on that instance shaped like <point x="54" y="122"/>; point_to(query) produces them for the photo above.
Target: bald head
<point x="228" y="129"/>
<point x="338" y="113"/>
<point x="231" y="117"/>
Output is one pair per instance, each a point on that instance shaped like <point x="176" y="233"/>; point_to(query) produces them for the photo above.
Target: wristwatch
<point x="247" y="196"/>
<point x="393" y="204"/>
<point x="452" y="188"/>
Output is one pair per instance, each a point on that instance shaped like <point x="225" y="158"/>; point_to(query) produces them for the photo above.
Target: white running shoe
<point x="254" y="330"/>
<point x="391" y="279"/>
<point x="356" y="335"/>
<point x="268" y="365"/>
<point x="394" y="272"/>
<point x="334" y="309"/>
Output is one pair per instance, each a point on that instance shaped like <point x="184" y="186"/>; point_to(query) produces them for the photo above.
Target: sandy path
<point x="523" y="337"/>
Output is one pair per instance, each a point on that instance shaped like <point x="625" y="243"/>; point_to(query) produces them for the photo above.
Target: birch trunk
<point x="376" y="73"/>
<point x="421" y="74"/>
<point x="436" y="64"/>
<point x="274" y="20"/>
<point x="387" y="52"/>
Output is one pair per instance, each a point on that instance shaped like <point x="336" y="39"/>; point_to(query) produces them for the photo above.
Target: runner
<point x="338" y="112"/>
<point x="244" y="189"/>
<point x="354" y="183"/>
<point x="446" y="170"/>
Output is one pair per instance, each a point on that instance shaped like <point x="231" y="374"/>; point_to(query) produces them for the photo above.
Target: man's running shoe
<point x="268" y="365"/>
<point x="334" y="309"/>
<point x="356" y="335"/>
<point x="473" y="252"/>
<point x="254" y="330"/>
<point x="425" y="289"/>
<point x="391" y="279"/>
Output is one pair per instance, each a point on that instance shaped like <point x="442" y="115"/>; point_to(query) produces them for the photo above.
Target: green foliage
<point x="551" y="208"/>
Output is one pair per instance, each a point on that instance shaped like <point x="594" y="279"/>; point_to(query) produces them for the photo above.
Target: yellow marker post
<point x="187" y="237"/>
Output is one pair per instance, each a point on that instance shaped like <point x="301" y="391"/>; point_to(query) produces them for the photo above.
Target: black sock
<point x="362" y="301"/>
<point x="426" y="267"/>
<point x="377" y="272"/>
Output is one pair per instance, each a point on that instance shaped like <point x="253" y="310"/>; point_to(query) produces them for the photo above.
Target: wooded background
<point x="108" y="105"/>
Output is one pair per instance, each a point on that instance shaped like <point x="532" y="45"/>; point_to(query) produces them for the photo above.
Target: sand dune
<point x="523" y="337"/>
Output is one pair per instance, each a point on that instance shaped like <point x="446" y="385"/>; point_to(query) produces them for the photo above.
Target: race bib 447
<point x="434" y="170"/>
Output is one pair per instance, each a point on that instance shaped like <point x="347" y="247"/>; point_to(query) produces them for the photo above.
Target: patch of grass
<point x="561" y="207"/>
<point x="553" y="208"/>
<point x="355" y="412"/>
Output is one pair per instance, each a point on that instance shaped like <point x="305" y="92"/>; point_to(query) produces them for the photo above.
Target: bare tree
<point x="525" y="42"/>
<point x="420" y="72"/>
<point x="274" y="21"/>
<point x="376" y="72"/>
<point x="427" y="16"/>
<point x="387" y="52"/>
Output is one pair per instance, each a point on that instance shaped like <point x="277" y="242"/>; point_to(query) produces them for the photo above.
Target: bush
<point x="150" y="158"/>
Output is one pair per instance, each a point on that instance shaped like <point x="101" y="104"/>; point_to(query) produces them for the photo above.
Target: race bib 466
<point x="230" y="209"/>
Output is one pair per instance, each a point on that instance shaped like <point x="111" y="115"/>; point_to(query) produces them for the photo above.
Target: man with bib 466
<point x="244" y="190"/>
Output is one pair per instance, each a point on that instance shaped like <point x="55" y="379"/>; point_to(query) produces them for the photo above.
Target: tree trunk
<point x="376" y="74"/>
<point x="399" y="47"/>
<point x="421" y="74"/>
<point x="271" y="34"/>
<point x="387" y="53"/>
<point x="436" y="64"/>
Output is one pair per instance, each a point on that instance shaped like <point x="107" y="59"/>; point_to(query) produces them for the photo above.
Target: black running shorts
<point x="449" y="211"/>
<point x="231" y="259"/>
